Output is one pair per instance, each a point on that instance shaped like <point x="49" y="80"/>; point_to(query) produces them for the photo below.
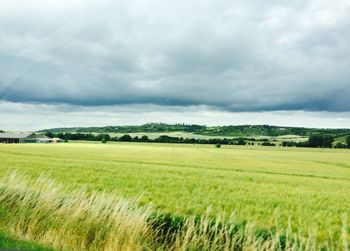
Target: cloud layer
<point x="25" y="117"/>
<point x="232" y="54"/>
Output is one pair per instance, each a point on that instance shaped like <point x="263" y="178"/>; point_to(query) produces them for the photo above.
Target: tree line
<point x="318" y="140"/>
<point x="127" y="138"/>
<point x="217" y="131"/>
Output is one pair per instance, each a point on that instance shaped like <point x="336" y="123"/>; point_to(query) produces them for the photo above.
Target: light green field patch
<point x="341" y="139"/>
<point x="8" y="243"/>
<point x="154" y="135"/>
<point x="294" y="138"/>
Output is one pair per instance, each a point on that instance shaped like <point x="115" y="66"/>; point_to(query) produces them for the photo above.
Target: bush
<point x="268" y="144"/>
<point x="218" y="145"/>
<point x="241" y="142"/>
<point x="289" y="143"/>
<point x="340" y="145"/>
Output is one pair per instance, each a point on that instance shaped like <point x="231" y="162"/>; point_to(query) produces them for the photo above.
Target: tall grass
<point x="40" y="210"/>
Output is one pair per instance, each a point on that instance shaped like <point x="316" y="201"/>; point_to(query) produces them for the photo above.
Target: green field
<point x="7" y="243"/>
<point x="189" y="135"/>
<point x="272" y="187"/>
<point x="154" y="135"/>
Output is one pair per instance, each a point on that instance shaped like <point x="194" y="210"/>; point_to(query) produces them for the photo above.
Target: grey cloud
<point x="235" y="55"/>
<point x="41" y="116"/>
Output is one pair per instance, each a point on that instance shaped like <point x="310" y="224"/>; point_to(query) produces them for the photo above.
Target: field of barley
<point x="300" y="195"/>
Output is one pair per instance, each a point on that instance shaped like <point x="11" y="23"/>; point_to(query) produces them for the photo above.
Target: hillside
<point x="230" y="131"/>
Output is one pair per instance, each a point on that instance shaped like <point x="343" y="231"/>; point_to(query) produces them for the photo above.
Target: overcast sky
<point x="104" y="62"/>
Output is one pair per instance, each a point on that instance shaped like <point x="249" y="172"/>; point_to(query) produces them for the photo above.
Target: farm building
<point x="25" y="138"/>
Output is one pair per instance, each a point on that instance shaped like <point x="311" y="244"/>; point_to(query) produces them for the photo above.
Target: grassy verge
<point x="9" y="243"/>
<point x="48" y="214"/>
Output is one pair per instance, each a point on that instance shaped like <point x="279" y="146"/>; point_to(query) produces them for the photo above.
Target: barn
<point x="21" y="138"/>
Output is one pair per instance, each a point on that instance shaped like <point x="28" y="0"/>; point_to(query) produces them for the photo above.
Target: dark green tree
<point x="347" y="140"/>
<point x="49" y="134"/>
<point x="105" y="139"/>
<point x="125" y="138"/>
<point x="144" y="138"/>
<point x="320" y="140"/>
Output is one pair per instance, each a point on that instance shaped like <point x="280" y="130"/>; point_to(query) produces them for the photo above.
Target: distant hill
<point x="230" y="131"/>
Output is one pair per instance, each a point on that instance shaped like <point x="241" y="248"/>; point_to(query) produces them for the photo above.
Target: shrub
<point x="340" y="145"/>
<point x="266" y="143"/>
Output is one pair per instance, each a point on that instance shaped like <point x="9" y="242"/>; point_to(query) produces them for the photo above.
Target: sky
<point x="214" y="62"/>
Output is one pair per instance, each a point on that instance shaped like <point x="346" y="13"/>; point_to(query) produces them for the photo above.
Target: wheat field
<point x="175" y="197"/>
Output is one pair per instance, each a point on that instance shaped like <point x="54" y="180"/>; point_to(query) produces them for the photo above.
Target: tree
<point x="105" y="138"/>
<point x="60" y="135"/>
<point x="348" y="141"/>
<point x="125" y="138"/>
<point x="144" y="138"/>
<point x="49" y="134"/>
<point x="320" y="140"/>
<point x="266" y="143"/>
<point x="241" y="142"/>
<point x="218" y="145"/>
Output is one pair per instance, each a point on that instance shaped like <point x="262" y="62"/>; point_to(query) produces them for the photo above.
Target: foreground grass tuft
<point x="9" y="243"/>
<point x="46" y="213"/>
<point x="41" y="211"/>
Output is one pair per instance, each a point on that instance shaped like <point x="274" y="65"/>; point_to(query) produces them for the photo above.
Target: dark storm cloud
<point x="25" y="116"/>
<point x="236" y="55"/>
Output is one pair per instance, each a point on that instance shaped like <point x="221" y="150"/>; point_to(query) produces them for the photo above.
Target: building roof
<point x="14" y="135"/>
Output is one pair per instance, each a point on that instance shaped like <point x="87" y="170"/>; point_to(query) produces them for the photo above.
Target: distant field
<point x="341" y="139"/>
<point x="308" y="186"/>
<point x="154" y="135"/>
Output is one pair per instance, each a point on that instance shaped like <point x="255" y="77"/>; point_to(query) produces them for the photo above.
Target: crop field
<point x="296" y="190"/>
<point x="154" y="135"/>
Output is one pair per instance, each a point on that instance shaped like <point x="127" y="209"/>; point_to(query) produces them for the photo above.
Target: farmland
<point x="227" y="135"/>
<point x="154" y="135"/>
<point x="275" y="188"/>
<point x="189" y="135"/>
